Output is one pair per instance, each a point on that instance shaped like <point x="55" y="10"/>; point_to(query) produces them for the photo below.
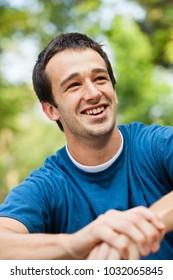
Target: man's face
<point x="83" y="92"/>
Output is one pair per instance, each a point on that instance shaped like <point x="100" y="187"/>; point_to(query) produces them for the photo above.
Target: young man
<point x="108" y="193"/>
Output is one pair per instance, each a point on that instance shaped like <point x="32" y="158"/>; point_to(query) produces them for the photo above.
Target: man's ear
<point x="51" y="112"/>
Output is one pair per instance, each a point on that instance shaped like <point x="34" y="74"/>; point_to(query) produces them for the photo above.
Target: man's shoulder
<point x="51" y="168"/>
<point x="137" y="127"/>
<point x="143" y="135"/>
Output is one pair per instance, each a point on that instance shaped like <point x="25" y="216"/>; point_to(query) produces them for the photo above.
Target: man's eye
<point x="73" y="85"/>
<point x="101" y="78"/>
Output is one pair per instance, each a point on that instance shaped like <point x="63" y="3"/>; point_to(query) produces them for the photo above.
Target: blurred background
<point x="136" y="34"/>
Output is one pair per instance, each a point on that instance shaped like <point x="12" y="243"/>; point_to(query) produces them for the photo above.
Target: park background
<point x="136" y="34"/>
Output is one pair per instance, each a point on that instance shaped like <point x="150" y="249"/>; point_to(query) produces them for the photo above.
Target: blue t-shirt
<point x="61" y="198"/>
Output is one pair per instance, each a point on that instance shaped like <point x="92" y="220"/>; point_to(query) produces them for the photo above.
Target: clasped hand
<point x="120" y="235"/>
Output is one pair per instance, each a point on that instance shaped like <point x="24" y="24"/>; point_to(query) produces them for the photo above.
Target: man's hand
<point x="128" y="250"/>
<point x="128" y="235"/>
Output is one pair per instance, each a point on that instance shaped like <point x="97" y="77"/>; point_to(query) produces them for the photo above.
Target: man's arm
<point x="17" y="243"/>
<point x="163" y="208"/>
<point x="139" y="224"/>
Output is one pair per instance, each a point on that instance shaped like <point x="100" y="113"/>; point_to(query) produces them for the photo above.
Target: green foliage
<point x="158" y="25"/>
<point x="137" y="89"/>
<point x="44" y="139"/>
<point x="14" y="100"/>
<point x="132" y="60"/>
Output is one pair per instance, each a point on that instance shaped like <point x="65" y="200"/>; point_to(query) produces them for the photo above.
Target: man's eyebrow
<point x="99" y="70"/>
<point x="70" y="77"/>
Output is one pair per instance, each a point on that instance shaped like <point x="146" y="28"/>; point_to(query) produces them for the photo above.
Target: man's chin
<point x="101" y="130"/>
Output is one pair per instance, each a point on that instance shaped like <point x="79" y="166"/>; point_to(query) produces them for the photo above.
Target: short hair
<point x="64" y="41"/>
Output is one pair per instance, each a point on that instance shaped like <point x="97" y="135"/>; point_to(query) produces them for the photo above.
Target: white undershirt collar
<point x="99" y="167"/>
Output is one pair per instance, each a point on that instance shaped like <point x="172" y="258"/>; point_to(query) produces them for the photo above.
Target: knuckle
<point x="141" y="239"/>
<point x="110" y="212"/>
<point x="100" y="219"/>
<point x="152" y="236"/>
<point x="136" y="218"/>
<point x="123" y="246"/>
<point x="123" y="242"/>
<point x="142" y="208"/>
<point x="125" y="225"/>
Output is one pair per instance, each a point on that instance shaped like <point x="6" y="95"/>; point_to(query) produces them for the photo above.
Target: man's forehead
<point x="75" y="60"/>
<point x="69" y="53"/>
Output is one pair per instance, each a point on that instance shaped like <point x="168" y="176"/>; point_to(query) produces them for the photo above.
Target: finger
<point x="149" y="215"/>
<point x="114" y="254"/>
<point x="116" y="222"/>
<point x="129" y="228"/>
<point x="93" y="253"/>
<point x="153" y="236"/>
<point x="122" y="245"/>
<point x="100" y="252"/>
<point x="105" y="233"/>
<point x="119" y="242"/>
<point x="127" y="248"/>
<point x="135" y="225"/>
<point x="134" y="253"/>
<point x="149" y="241"/>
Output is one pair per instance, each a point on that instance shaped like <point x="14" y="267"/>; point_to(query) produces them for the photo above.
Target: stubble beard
<point x="98" y="138"/>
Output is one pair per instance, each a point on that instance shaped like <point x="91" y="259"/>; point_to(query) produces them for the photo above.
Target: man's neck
<point x="97" y="151"/>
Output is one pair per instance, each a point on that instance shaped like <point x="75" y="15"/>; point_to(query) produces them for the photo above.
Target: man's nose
<point x="91" y="92"/>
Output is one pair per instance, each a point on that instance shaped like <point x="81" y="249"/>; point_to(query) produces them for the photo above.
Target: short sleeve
<point x="31" y="203"/>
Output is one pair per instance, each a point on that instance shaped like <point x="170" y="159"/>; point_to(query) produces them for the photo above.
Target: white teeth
<point x="95" y="111"/>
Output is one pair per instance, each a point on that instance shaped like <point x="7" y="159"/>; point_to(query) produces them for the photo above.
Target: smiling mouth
<point x="95" y="111"/>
